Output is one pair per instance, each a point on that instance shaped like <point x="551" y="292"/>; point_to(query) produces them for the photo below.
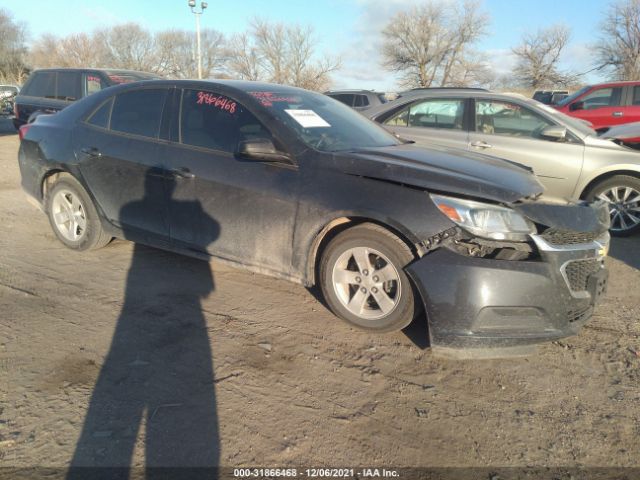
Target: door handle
<point x="617" y="114"/>
<point x="182" y="172"/>
<point x="481" y="144"/>
<point x="91" y="152"/>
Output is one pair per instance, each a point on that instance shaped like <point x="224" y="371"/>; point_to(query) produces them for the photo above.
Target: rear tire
<point x="363" y="280"/>
<point x="73" y="216"/>
<point x="623" y="194"/>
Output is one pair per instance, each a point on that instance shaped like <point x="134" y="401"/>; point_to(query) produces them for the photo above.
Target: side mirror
<point x="555" y="132"/>
<point x="579" y="105"/>
<point x="261" y="150"/>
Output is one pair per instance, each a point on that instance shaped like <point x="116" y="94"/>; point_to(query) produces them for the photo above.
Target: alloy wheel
<point x="366" y="283"/>
<point x="624" y="207"/>
<point x="69" y="215"/>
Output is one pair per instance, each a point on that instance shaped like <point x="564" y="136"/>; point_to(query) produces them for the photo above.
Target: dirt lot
<point x="259" y="373"/>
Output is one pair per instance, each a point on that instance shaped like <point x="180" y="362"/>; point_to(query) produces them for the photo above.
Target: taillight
<point x="22" y="131"/>
<point x="15" y="109"/>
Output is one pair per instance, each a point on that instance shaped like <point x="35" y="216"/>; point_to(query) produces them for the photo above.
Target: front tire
<point x="363" y="280"/>
<point x="73" y="216"/>
<point x="622" y="192"/>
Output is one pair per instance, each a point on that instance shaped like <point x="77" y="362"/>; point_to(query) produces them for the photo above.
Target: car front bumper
<point x="479" y="302"/>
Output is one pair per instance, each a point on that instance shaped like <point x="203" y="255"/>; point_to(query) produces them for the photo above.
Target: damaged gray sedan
<point x="294" y="184"/>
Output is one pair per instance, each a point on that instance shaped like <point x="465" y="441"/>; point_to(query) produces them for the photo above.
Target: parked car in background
<point x="292" y="183"/>
<point x="50" y="90"/>
<point x="550" y="97"/>
<point x="9" y="90"/>
<point x="604" y="105"/>
<point x="358" y="99"/>
<point x="566" y="155"/>
<point x="7" y="96"/>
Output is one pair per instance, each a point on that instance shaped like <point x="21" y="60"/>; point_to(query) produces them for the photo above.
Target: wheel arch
<point x="605" y="176"/>
<point x="340" y="224"/>
<point x="50" y="178"/>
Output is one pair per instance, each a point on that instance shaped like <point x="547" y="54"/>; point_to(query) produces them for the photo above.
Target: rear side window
<point x="68" y="86"/>
<point x="602" y="97"/>
<point x="43" y="84"/>
<point x="346" y="98"/>
<point x="92" y="83"/>
<point x="100" y="117"/>
<point x="210" y="120"/>
<point x="433" y="113"/>
<point x="361" y="101"/>
<point x="138" y="112"/>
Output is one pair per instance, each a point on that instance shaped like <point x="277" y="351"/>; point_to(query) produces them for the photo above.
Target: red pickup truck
<point x="604" y="105"/>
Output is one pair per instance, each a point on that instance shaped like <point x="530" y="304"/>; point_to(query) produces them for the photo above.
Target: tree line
<point x="431" y="44"/>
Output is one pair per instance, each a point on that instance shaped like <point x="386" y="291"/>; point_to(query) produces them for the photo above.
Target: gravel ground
<point x="129" y="355"/>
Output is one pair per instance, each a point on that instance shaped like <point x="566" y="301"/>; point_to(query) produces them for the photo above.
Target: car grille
<point x="578" y="272"/>
<point x="568" y="237"/>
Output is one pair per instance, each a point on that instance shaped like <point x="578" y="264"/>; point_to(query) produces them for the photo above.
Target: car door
<point x="118" y="151"/>
<point x="433" y="121"/>
<point x="513" y="131"/>
<point x="602" y="107"/>
<point x="228" y="207"/>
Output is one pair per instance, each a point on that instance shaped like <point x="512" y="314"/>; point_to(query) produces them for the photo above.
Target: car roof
<point x="105" y="70"/>
<point x="240" y="85"/>
<point x="615" y="84"/>
<point x="351" y="91"/>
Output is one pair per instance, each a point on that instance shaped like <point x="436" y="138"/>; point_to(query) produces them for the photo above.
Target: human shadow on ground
<point x="157" y="381"/>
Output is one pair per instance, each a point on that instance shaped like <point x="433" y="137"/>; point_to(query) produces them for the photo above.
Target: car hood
<point x="626" y="132"/>
<point x="445" y="170"/>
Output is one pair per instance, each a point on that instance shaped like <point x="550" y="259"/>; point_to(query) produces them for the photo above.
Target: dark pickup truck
<point x="50" y="90"/>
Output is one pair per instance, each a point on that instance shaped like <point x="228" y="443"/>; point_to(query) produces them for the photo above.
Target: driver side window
<point x="214" y="121"/>
<point x="495" y="117"/>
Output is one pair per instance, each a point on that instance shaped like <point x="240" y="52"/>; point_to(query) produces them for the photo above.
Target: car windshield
<point x="322" y="122"/>
<point x="572" y="97"/>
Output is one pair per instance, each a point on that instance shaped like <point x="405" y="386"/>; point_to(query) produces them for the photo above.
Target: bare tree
<point x="619" y="48"/>
<point x="281" y="54"/>
<point x="244" y="58"/>
<point x="75" y="50"/>
<point x="175" y="53"/>
<point x="538" y="58"/>
<point x="127" y="46"/>
<point x="430" y="44"/>
<point x="12" y="49"/>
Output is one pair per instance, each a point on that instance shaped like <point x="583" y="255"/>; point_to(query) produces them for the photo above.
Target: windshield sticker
<point x="268" y="98"/>
<point x="307" y="118"/>
<point x="218" y="101"/>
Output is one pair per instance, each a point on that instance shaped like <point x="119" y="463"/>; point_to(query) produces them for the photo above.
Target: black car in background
<point x="550" y="97"/>
<point x="50" y="90"/>
<point x="294" y="184"/>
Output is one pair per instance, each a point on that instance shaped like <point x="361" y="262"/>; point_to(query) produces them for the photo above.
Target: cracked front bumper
<point x="480" y="302"/>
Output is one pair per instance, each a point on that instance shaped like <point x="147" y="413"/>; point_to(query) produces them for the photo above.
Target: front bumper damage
<point x="476" y="302"/>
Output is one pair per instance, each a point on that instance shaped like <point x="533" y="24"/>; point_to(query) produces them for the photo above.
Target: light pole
<point x="203" y="5"/>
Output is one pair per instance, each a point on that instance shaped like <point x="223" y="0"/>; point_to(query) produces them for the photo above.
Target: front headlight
<point x="485" y="220"/>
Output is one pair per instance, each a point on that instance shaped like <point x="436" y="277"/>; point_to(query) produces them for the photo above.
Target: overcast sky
<point x="346" y="28"/>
